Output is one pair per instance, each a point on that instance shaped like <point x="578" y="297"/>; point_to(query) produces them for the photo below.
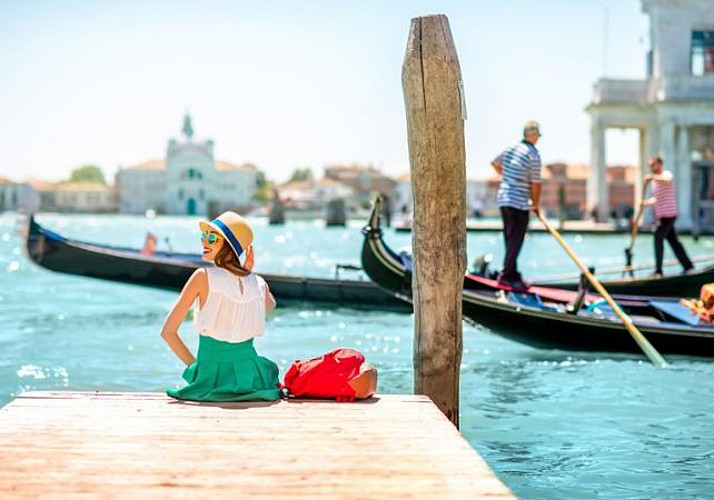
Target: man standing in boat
<point x="665" y="208"/>
<point x="519" y="193"/>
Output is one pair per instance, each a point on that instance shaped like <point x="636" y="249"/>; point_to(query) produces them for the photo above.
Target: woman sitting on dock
<point x="232" y="305"/>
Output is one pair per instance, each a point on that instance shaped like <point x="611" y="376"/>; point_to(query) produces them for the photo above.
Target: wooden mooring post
<point x="431" y="80"/>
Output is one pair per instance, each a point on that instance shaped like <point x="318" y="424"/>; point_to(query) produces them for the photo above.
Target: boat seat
<point x="677" y="311"/>
<point x="640" y="319"/>
<point x="525" y="299"/>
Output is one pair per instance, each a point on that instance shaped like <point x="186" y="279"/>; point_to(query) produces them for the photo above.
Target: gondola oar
<point x="654" y="356"/>
<point x="635" y="228"/>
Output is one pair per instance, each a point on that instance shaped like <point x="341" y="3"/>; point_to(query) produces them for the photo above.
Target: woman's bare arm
<point x="270" y="302"/>
<point x="195" y="287"/>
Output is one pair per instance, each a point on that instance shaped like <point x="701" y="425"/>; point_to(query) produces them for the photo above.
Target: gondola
<point x="550" y="318"/>
<point x="624" y="280"/>
<point x="171" y="270"/>
<point x="670" y="285"/>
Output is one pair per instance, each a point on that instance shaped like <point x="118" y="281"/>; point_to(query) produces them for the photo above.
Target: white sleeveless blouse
<point x="229" y="314"/>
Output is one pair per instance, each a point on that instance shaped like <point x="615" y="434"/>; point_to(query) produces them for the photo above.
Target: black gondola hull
<point x="545" y="329"/>
<point x="572" y="333"/>
<point x="171" y="271"/>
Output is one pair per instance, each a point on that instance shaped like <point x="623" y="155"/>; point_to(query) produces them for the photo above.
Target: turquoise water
<point x="551" y="424"/>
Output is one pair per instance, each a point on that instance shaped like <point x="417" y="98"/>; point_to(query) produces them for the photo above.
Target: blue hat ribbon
<point x="231" y="237"/>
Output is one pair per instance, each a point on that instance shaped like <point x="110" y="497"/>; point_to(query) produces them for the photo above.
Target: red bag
<point x="324" y="377"/>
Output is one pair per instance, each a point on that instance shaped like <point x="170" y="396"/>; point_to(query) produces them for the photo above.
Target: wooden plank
<point x="60" y="444"/>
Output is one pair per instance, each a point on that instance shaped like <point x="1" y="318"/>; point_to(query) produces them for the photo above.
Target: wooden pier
<point x="146" y="445"/>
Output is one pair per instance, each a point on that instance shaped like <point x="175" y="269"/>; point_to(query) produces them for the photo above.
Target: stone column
<point x="667" y="146"/>
<point x="684" y="179"/>
<point x="652" y="144"/>
<point x="597" y="182"/>
<point x="642" y="169"/>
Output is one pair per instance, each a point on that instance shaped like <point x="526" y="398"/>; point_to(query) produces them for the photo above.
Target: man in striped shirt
<point x="518" y="194"/>
<point x="665" y="208"/>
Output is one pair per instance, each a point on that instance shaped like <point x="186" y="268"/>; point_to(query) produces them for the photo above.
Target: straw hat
<point x="234" y="228"/>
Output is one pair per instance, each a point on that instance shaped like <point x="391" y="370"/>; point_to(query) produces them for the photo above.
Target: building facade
<point x="8" y="195"/>
<point x="188" y="181"/>
<point x="673" y="109"/>
<point x="84" y="197"/>
<point x="310" y="194"/>
<point x="563" y="191"/>
<point x="364" y="181"/>
<point x="20" y="197"/>
<point x="478" y="203"/>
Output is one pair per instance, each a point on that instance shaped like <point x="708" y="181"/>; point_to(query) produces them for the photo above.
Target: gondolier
<point x="665" y="208"/>
<point x="550" y="318"/>
<point x="518" y="194"/>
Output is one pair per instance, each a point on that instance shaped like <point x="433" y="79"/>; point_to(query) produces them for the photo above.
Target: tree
<point x="263" y="187"/>
<point x="87" y="173"/>
<point x="301" y="174"/>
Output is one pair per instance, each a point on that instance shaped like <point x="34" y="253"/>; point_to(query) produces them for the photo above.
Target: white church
<point x="189" y="181"/>
<point x="673" y="109"/>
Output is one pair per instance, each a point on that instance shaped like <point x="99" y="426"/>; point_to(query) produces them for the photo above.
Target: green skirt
<point x="225" y="371"/>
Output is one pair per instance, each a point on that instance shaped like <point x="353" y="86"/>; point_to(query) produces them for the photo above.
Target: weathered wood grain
<point x="146" y="445"/>
<point x="431" y="80"/>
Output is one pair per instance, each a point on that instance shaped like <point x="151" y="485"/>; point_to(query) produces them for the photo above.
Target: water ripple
<point x="552" y="424"/>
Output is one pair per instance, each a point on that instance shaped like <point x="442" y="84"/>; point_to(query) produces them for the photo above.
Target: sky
<point x="294" y="84"/>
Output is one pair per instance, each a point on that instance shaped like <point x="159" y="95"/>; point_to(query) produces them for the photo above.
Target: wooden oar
<point x="644" y="344"/>
<point x="635" y="228"/>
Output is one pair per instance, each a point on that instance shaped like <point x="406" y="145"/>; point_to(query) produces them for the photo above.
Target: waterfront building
<point x="84" y="197"/>
<point x="565" y="188"/>
<point x="297" y="195"/>
<point x="672" y="108"/>
<point x="621" y="181"/>
<point x="327" y="190"/>
<point x="18" y="196"/>
<point x="403" y="201"/>
<point x="8" y="195"/>
<point x="477" y="197"/>
<point x="34" y="195"/>
<point x="563" y="191"/>
<point x="364" y="181"/>
<point x="188" y="181"/>
<point x="477" y="202"/>
<point x="45" y="193"/>
<point x="310" y="194"/>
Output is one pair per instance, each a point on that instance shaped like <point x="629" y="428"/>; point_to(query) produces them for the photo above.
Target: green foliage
<point x="263" y="187"/>
<point x="87" y="173"/>
<point x="301" y="174"/>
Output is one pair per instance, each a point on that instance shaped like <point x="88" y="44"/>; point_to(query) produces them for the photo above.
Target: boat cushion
<point x="677" y="311"/>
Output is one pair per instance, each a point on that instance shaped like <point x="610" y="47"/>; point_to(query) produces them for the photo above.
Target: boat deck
<point x="146" y="445"/>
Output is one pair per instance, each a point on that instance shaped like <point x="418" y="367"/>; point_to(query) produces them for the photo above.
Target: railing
<point x="669" y="88"/>
<point x="682" y="88"/>
<point x="620" y="91"/>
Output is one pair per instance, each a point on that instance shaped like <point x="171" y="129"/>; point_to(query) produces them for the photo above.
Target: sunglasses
<point x="210" y="238"/>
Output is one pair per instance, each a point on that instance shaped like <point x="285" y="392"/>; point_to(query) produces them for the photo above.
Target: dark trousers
<point x="665" y="229"/>
<point x="515" y="224"/>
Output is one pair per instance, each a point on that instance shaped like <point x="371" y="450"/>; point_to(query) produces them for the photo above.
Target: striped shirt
<point x="663" y="192"/>
<point x="521" y="168"/>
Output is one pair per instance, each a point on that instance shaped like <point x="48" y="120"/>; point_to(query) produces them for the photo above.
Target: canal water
<point x="552" y="424"/>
